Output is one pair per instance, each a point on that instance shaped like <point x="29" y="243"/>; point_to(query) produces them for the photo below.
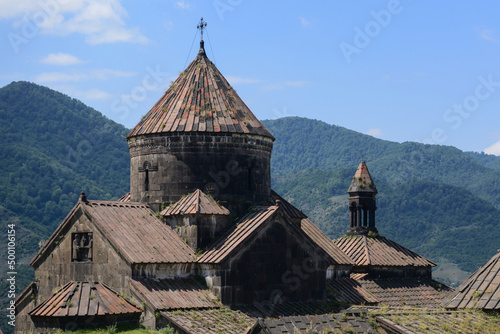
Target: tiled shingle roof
<point x="481" y="290"/>
<point x="379" y="251"/>
<point x="412" y="321"/>
<point x="290" y="210"/>
<point x="244" y="229"/>
<point x="349" y="291"/>
<point x="168" y="294"/>
<point x="324" y="242"/>
<point x="138" y="234"/>
<point x="196" y="203"/>
<point x="125" y="198"/>
<point x="257" y="218"/>
<point x="212" y="321"/>
<point x="85" y="299"/>
<point x="200" y="100"/>
<point x="393" y="292"/>
<point x="346" y="322"/>
<point x="132" y="228"/>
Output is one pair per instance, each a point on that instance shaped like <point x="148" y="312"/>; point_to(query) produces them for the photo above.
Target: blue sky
<point x="398" y="70"/>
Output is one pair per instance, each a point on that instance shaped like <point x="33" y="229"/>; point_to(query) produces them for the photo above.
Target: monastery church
<point x="204" y="245"/>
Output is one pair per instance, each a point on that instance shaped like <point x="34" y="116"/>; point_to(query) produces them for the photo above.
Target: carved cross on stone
<point x="146" y="168"/>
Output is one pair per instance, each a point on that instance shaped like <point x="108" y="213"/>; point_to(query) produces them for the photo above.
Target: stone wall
<point x="232" y="168"/>
<point x="198" y="231"/>
<point x="59" y="268"/>
<point x="277" y="266"/>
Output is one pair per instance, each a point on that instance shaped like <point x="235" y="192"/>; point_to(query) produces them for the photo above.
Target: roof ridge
<point x="116" y="203"/>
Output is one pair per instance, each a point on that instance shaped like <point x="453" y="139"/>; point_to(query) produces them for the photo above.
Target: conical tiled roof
<point x="362" y="181"/>
<point x="200" y="100"/>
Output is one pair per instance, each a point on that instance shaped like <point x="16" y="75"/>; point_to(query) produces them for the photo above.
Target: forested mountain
<point x="437" y="200"/>
<point x="304" y="143"/>
<point x="53" y="147"/>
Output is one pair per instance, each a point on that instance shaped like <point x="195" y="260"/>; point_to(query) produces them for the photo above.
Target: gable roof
<point x="200" y="100"/>
<point x="125" y="198"/>
<point x="481" y="290"/>
<point x="131" y="228"/>
<point x="195" y="203"/>
<point x="324" y="242"/>
<point x="379" y="251"/>
<point x="85" y="299"/>
<point x="290" y="210"/>
<point x="226" y="244"/>
<point x="256" y="219"/>
<point x="138" y="234"/>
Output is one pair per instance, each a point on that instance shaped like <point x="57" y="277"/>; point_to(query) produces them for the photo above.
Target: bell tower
<point x="362" y="202"/>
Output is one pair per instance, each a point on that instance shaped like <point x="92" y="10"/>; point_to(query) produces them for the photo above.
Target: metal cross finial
<point x="202" y="26"/>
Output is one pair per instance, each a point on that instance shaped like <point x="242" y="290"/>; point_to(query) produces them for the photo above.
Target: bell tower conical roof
<point x="200" y="100"/>
<point x="362" y="180"/>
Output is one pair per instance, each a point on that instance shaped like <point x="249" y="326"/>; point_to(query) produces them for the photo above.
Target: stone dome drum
<point x="200" y="135"/>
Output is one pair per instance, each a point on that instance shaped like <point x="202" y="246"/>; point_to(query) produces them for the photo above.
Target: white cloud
<point x="233" y="80"/>
<point x="493" y="149"/>
<point x="487" y="34"/>
<point x="304" y="22"/>
<point x="61" y="59"/>
<point x="297" y="83"/>
<point x="10" y="9"/>
<point x="276" y="86"/>
<point x="283" y="85"/>
<point x="183" y="5"/>
<point x="101" y="21"/>
<point x="169" y="25"/>
<point x="375" y="132"/>
<point x="76" y="76"/>
<point x="94" y="94"/>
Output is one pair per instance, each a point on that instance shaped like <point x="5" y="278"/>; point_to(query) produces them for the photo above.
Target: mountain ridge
<point x="55" y="147"/>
